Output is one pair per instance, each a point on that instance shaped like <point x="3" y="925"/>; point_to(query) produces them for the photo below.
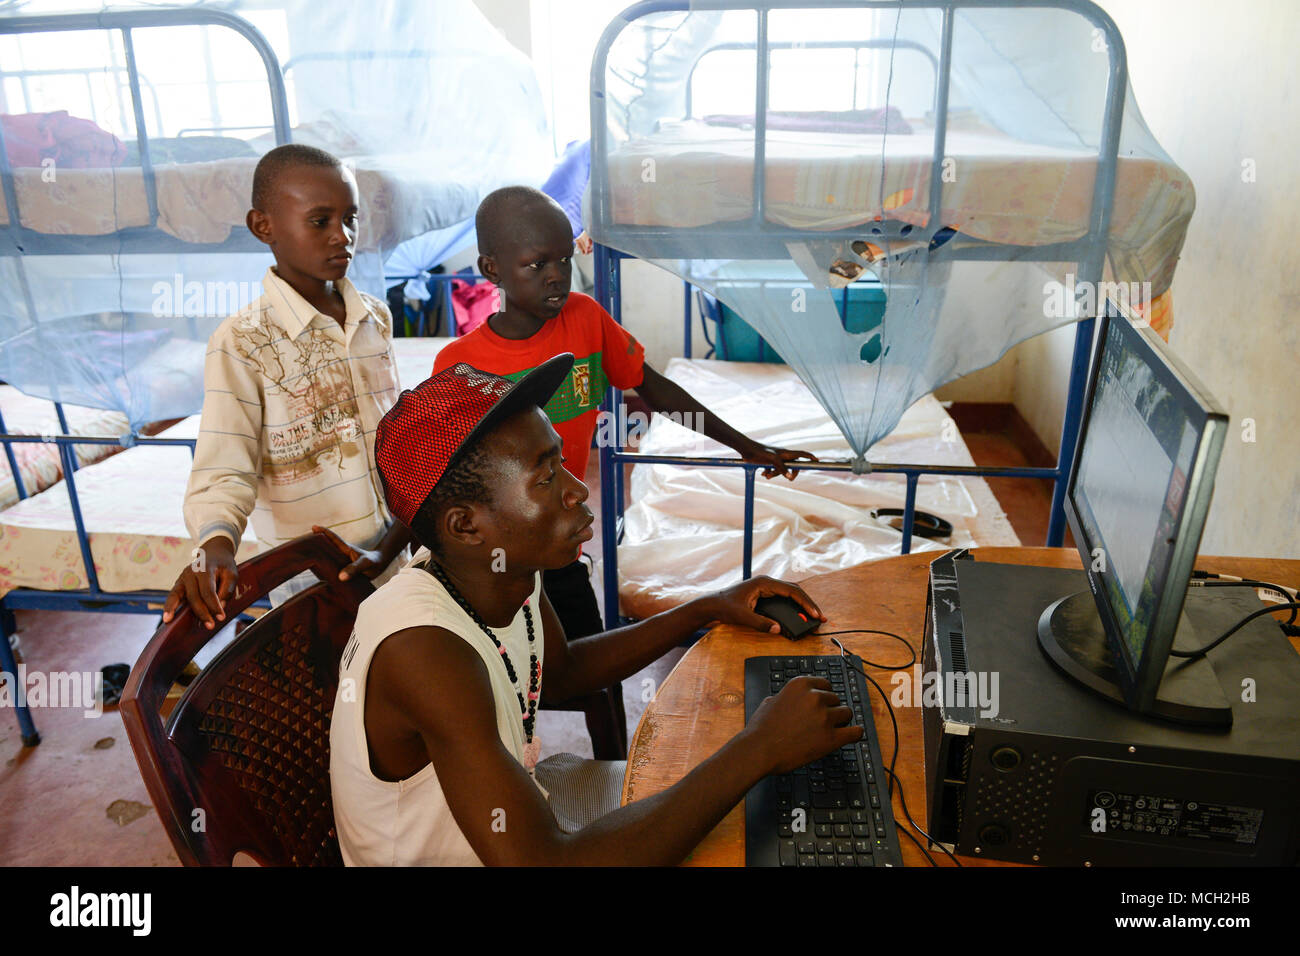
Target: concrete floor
<point x="78" y="797"/>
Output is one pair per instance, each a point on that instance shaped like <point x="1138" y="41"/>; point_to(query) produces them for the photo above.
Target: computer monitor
<point x="1136" y="502"/>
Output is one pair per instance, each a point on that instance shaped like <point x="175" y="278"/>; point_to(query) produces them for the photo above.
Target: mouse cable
<point x="933" y="841"/>
<point x="1201" y="652"/>
<point x="866" y="630"/>
<point x="847" y="658"/>
<point x="1228" y="581"/>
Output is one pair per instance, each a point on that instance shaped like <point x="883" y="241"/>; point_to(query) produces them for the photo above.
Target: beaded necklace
<point x="528" y="711"/>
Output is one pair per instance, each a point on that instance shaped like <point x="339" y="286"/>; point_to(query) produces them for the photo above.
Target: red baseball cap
<point x="425" y="433"/>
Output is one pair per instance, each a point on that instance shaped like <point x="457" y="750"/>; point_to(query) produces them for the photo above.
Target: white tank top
<point x="408" y="822"/>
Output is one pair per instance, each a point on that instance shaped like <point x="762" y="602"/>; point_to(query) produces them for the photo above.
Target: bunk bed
<point x="111" y="535"/>
<point x="123" y="245"/>
<point x="134" y="182"/>
<point x="852" y="191"/>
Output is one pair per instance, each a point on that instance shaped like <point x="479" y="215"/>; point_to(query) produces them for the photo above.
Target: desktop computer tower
<point x="1024" y="765"/>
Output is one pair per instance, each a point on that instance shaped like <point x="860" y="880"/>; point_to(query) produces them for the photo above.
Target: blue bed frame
<point x="756" y="238"/>
<point x="17" y="241"/>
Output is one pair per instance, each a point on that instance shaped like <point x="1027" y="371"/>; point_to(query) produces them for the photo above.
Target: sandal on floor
<point x="115" y="676"/>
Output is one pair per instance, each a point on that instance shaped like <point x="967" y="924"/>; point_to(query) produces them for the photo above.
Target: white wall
<point x="1216" y="86"/>
<point x="1041" y="382"/>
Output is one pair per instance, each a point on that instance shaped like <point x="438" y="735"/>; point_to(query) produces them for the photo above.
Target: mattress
<point x="203" y="202"/>
<point x="131" y="505"/>
<point x="39" y="464"/>
<point x="683" y="530"/>
<point x="997" y="189"/>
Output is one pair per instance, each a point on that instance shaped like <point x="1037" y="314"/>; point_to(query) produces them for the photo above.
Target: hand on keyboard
<point x="801" y="723"/>
<point x="823" y="806"/>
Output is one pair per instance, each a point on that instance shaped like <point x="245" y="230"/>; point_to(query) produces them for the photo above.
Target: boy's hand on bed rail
<point x="735" y="605"/>
<point x="206" y="591"/>
<point x="776" y="458"/>
<point x="665" y="396"/>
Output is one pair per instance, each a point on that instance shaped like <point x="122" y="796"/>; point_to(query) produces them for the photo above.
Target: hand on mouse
<point x="735" y="605"/>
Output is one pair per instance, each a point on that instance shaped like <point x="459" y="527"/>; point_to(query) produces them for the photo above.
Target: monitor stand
<point x="1070" y="632"/>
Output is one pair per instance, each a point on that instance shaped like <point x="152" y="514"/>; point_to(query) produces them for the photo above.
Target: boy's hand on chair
<point x="369" y="563"/>
<point x="206" y="584"/>
<point x="735" y="605"/>
<point x="775" y="458"/>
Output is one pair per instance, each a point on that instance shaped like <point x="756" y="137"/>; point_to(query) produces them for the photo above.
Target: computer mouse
<point x="794" y="620"/>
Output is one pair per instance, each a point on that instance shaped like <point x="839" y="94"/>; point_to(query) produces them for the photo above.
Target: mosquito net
<point x="130" y="137"/>
<point x="891" y="199"/>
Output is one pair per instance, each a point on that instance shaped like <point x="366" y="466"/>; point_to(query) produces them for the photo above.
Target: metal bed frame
<point x="756" y="238"/>
<point x="17" y="241"/>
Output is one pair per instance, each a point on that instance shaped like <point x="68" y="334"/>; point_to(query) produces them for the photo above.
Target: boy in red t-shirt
<point x="525" y="246"/>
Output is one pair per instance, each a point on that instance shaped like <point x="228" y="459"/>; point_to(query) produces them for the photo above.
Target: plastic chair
<point x="242" y="762"/>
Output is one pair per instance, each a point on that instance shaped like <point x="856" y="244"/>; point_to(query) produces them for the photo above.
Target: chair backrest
<point x="242" y="763"/>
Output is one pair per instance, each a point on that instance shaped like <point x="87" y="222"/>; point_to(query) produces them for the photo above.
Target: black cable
<point x="867" y="630"/>
<point x="888" y="707"/>
<point x="932" y="840"/>
<point x="903" y="831"/>
<point x="1251" y="583"/>
<point x="844" y="656"/>
<point x="1200" y="575"/>
<point x="1201" y="652"/>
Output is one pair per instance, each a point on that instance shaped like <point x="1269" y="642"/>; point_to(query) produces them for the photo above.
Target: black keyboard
<point x="847" y="819"/>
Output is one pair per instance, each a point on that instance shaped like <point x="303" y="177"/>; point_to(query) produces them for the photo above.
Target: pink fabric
<point x="72" y="143"/>
<point x="473" y="304"/>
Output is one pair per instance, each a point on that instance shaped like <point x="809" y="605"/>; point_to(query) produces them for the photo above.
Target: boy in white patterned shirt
<point x="294" y="387"/>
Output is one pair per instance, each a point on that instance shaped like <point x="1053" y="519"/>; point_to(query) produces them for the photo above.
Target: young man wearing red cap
<point x="440" y="683"/>
<point x="526" y="244"/>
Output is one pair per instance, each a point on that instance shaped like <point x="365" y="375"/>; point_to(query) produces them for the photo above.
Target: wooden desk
<point x="701" y="705"/>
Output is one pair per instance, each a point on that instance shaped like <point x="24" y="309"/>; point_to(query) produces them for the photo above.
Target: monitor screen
<point x="1139" y="494"/>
